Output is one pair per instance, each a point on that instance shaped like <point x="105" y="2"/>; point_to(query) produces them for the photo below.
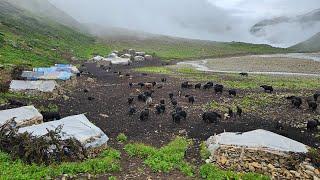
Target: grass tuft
<point x="107" y="162"/>
<point x="165" y="159"/>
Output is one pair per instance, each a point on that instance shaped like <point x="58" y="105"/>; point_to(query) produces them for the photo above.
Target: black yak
<point x="144" y="115"/>
<point x="191" y="99"/>
<point x="312" y="125"/>
<point x="267" y="88"/>
<point x="218" y="88"/>
<point x="233" y="92"/>
<point x="211" y="117"/>
<point x="197" y="86"/>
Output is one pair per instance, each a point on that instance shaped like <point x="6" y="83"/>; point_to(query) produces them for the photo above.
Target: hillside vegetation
<point x="310" y="45"/>
<point x="39" y="41"/>
<point x="31" y="40"/>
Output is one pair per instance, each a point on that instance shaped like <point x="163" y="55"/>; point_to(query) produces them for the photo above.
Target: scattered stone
<point x="90" y="80"/>
<point x="66" y="98"/>
<point x="104" y="115"/>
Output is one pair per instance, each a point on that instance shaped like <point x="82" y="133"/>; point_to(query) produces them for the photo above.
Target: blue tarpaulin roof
<point x="59" y="71"/>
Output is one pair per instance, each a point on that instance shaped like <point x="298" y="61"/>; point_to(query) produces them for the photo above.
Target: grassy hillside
<point x="38" y="41"/>
<point x="27" y="39"/>
<point x="310" y="45"/>
<point x="176" y="48"/>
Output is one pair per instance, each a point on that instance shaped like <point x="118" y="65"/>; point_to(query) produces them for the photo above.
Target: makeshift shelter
<point x="78" y="127"/>
<point x="140" y="54"/>
<point x="59" y="71"/>
<point x="120" y="61"/>
<point x="261" y="139"/>
<point x="126" y="56"/>
<point x="139" y="58"/>
<point x="113" y="55"/>
<point x="24" y="116"/>
<point x="97" y="58"/>
<point x="42" y="86"/>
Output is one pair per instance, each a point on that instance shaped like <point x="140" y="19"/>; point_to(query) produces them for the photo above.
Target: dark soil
<point x="109" y="111"/>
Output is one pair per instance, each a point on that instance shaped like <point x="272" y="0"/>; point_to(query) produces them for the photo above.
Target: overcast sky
<point x="220" y="20"/>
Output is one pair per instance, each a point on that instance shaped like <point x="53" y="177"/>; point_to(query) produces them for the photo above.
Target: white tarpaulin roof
<point x="258" y="139"/>
<point x="120" y="61"/>
<point x="26" y="115"/>
<point x="43" y="86"/>
<point x="78" y="127"/>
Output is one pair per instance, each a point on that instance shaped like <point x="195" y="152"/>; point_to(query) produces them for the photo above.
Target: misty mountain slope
<point x="170" y="48"/>
<point x="28" y="39"/>
<point x="45" y="9"/>
<point x="310" y="45"/>
<point x="288" y="31"/>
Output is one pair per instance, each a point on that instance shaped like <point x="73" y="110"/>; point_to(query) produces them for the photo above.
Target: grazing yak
<point x="162" y="101"/>
<point x="178" y="115"/>
<point x="267" y="88"/>
<point x="171" y="96"/>
<point x="208" y="85"/>
<point x="130" y="84"/>
<point x="176" y="118"/>
<point x="132" y="111"/>
<point x="211" y="117"/>
<point x="244" y="74"/>
<point x="312" y="125"/>
<point x="296" y="101"/>
<point x="161" y="108"/>
<point x="312" y="104"/>
<point x="191" y="99"/>
<point x="316" y="96"/>
<point x="174" y="102"/>
<point x="197" y="86"/>
<point x="144" y="115"/>
<point x="85" y="90"/>
<point x="218" y="88"/>
<point x="186" y="85"/>
<point x="91" y="98"/>
<point x="130" y="100"/>
<point x="50" y="116"/>
<point x="163" y="80"/>
<point x="239" y="111"/>
<point x="233" y="92"/>
<point x="141" y="84"/>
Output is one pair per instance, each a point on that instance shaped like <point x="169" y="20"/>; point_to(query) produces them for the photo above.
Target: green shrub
<point x="204" y="152"/>
<point x="107" y="162"/>
<point x="122" y="138"/>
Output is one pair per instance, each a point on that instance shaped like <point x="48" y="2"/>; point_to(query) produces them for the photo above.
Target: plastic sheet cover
<point x="42" y="86"/>
<point x="26" y="115"/>
<point x="258" y="139"/>
<point x="78" y="127"/>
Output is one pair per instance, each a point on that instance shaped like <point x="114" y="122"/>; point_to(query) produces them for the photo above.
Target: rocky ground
<point x="276" y="165"/>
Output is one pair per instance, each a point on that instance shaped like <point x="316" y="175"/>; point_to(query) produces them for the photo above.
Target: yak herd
<point x="178" y="114"/>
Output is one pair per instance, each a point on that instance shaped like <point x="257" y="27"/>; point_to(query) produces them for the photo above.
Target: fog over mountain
<point x="199" y="19"/>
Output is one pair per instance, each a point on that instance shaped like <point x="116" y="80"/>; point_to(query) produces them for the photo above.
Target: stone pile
<point x="276" y="165"/>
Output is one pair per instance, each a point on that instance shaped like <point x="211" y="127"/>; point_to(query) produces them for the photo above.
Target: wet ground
<point x="281" y="64"/>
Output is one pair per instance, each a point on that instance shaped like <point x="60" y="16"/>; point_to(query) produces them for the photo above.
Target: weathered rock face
<point x="278" y="166"/>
